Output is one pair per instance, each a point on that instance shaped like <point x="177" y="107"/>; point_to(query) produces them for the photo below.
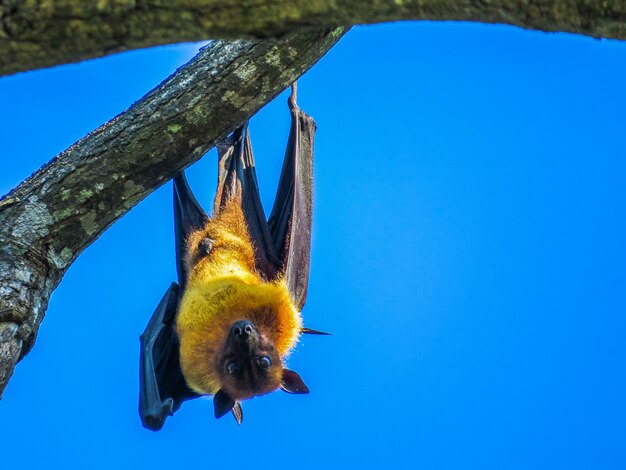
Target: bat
<point x="227" y="326"/>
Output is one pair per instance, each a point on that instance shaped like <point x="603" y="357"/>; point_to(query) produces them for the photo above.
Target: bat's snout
<point x="243" y="331"/>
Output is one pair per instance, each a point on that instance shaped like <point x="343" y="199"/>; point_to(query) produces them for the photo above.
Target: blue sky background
<point x="469" y="256"/>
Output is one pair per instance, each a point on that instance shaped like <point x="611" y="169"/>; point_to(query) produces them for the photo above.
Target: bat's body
<point x="224" y="288"/>
<point x="227" y="326"/>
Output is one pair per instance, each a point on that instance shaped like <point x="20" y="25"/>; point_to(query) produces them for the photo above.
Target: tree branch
<point x="51" y="217"/>
<point x="42" y="34"/>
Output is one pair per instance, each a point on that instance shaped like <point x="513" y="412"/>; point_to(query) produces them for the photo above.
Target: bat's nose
<point x="242" y="330"/>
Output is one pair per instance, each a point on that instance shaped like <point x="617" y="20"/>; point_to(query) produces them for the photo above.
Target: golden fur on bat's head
<point x="235" y="328"/>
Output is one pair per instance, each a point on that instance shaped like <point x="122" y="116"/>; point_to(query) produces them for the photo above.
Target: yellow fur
<point x="223" y="288"/>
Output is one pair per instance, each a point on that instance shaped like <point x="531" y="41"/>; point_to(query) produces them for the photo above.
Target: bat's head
<point x="250" y="365"/>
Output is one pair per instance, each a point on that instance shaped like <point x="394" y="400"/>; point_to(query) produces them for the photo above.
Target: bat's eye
<point x="263" y="362"/>
<point x="231" y="368"/>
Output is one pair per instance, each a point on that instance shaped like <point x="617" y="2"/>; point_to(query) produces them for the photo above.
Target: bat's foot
<point x="293" y="98"/>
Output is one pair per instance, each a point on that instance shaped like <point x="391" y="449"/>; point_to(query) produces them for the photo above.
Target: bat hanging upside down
<point x="227" y="326"/>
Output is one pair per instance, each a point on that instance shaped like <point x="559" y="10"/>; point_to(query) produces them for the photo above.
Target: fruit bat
<point x="227" y="326"/>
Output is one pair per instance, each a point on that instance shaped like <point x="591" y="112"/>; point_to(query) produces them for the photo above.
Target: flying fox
<point x="228" y="325"/>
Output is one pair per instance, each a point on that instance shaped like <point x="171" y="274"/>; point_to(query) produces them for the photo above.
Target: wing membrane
<point x="292" y="216"/>
<point x="162" y="387"/>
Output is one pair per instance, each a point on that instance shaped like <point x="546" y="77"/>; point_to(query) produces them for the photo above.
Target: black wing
<point x="162" y="387"/>
<point x="188" y="218"/>
<point x="292" y="214"/>
<point x="282" y="246"/>
<point x="237" y="180"/>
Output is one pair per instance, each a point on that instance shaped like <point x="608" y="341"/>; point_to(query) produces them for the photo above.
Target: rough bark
<point x="51" y="217"/>
<point x="35" y="34"/>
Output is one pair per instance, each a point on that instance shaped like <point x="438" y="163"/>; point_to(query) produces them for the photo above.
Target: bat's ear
<point x="292" y="382"/>
<point x="222" y="404"/>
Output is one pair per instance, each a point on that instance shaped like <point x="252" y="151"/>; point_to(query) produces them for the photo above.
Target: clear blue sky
<point x="469" y="256"/>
